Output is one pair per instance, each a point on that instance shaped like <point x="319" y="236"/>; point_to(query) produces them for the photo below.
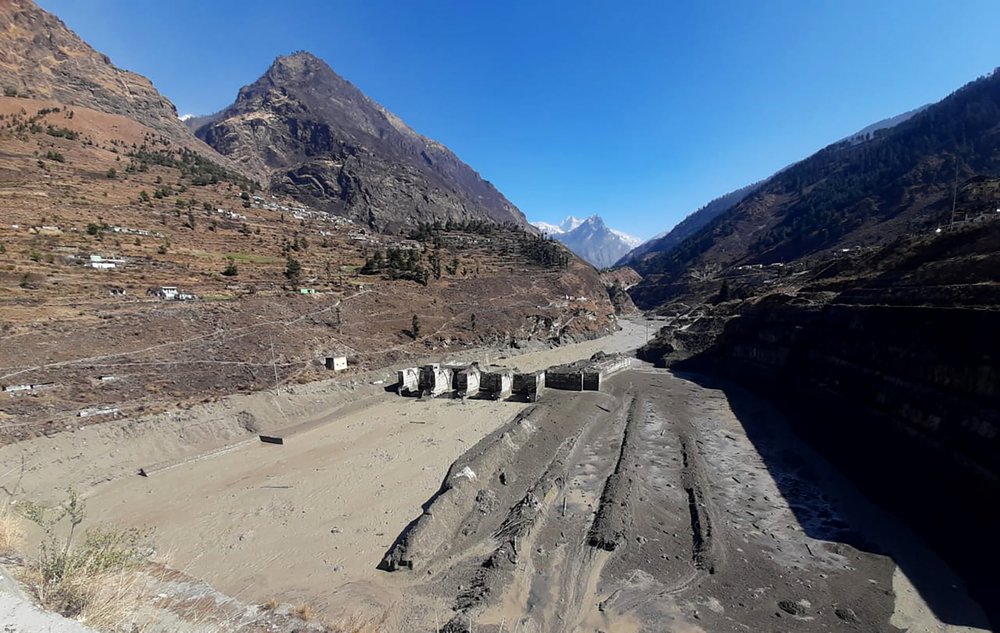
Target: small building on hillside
<point x="336" y="363"/>
<point x="168" y="293"/>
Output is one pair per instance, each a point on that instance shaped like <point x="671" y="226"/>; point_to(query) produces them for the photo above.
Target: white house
<point x="164" y="292"/>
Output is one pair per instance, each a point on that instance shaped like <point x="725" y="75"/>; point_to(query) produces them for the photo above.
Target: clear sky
<point x="639" y="111"/>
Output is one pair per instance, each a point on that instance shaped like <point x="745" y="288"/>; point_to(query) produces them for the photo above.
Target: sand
<point x="302" y="522"/>
<point x="307" y="522"/>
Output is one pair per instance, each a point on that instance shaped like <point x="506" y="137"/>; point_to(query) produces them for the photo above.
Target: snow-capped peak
<point x="545" y="227"/>
<point x="591" y="239"/>
<point x="631" y="240"/>
<point x="567" y="225"/>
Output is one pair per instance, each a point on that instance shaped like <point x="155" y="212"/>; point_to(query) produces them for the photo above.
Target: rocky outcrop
<point x="313" y="135"/>
<point x="936" y="379"/>
<point x="42" y="59"/>
<point x="618" y="281"/>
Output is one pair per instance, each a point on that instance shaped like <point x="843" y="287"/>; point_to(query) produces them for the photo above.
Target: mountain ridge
<point x="847" y="194"/>
<point x="696" y="220"/>
<point x="41" y="58"/>
<point x="315" y="136"/>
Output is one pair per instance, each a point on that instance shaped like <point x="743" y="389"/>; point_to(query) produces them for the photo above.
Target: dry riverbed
<point x="649" y="506"/>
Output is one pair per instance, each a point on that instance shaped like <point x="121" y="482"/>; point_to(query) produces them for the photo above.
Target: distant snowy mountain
<point x="591" y="239"/>
<point x="565" y="226"/>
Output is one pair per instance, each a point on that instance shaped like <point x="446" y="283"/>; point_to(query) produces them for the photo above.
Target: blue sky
<point x="641" y="112"/>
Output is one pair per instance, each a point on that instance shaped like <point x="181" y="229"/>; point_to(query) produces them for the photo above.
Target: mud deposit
<point x="661" y="503"/>
<point x="649" y="508"/>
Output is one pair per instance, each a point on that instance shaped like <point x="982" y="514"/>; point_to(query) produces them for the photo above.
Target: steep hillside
<point x="847" y="195"/>
<point x="314" y="136"/>
<point x="42" y="59"/>
<point x="885" y="359"/>
<point x="867" y="133"/>
<point x="591" y="239"/>
<point x="99" y="209"/>
<point x="687" y="227"/>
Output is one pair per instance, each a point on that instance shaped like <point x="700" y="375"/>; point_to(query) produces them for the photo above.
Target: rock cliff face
<point x="903" y="398"/>
<point x="42" y="59"/>
<point x="889" y="364"/>
<point x="313" y="135"/>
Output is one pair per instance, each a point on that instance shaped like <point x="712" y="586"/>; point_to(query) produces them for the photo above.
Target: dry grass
<point x="99" y="587"/>
<point x="270" y="605"/>
<point x="112" y="602"/>
<point x="11" y="530"/>
<point x="303" y="612"/>
<point x="98" y="580"/>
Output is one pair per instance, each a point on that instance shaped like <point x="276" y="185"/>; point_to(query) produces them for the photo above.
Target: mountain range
<point x="305" y="200"/>
<point x="591" y="239"/>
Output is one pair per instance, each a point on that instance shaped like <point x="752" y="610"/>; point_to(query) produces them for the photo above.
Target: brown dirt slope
<point x="77" y="183"/>
<point x="40" y="58"/>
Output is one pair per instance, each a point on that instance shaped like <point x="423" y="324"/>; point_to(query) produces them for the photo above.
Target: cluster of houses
<point x="473" y="380"/>
<point x="272" y="205"/>
<point x="28" y="388"/>
<point x="100" y="262"/>
<point x="298" y="213"/>
<point x="231" y="215"/>
<point x="140" y="232"/>
<point x="170" y="293"/>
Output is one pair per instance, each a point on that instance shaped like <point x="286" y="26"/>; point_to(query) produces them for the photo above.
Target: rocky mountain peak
<point x="591" y="238"/>
<point x="315" y="136"/>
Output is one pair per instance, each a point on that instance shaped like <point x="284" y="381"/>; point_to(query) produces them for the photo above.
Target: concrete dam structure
<point x="585" y="375"/>
<point x="500" y="382"/>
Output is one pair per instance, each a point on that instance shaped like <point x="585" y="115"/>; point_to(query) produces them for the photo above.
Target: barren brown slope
<point x="71" y="187"/>
<point x="40" y="58"/>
